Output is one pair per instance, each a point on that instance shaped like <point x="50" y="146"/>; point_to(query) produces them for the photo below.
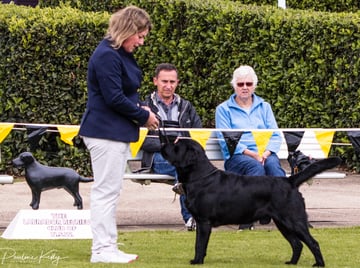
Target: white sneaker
<point x="110" y="257"/>
<point x="127" y="255"/>
<point x="190" y="224"/>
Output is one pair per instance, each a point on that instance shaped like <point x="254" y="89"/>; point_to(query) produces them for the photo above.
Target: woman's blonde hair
<point x="125" y="23"/>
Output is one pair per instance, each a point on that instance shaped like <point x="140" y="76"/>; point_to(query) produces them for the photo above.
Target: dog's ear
<point x="27" y="158"/>
<point x="193" y="153"/>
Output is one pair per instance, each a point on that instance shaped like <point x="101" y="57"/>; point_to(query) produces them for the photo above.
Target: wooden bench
<point x="309" y="146"/>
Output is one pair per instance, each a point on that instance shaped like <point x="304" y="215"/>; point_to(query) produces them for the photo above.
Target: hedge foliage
<point x="325" y="5"/>
<point x="44" y="54"/>
<point x="307" y="62"/>
<point x="316" y="5"/>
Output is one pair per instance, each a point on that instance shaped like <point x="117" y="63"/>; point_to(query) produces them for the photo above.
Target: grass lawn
<point x="258" y="248"/>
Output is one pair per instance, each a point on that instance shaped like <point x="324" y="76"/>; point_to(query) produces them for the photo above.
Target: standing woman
<point x="111" y="121"/>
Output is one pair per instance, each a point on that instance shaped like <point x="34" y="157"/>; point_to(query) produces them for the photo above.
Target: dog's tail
<point x="313" y="169"/>
<point x="83" y="179"/>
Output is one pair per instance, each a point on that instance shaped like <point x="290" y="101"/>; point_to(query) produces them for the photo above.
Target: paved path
<point x="330" y="203"/>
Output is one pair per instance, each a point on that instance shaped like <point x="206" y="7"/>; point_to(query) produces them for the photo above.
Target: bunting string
<point x="321" y="138"/>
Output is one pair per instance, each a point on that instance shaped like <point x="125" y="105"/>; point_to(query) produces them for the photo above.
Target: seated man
<point x="174" y="111"/>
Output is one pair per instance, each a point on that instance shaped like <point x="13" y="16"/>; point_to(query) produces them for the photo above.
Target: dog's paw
<point x="317" y="264"/>
<point x="194" y="261"/>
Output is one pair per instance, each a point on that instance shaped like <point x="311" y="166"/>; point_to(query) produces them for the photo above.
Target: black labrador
<point x="216" y="197"/>
<point x="41" y="178"/>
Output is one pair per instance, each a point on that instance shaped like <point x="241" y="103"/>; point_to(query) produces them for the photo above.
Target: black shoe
<point x="248" y="226"/>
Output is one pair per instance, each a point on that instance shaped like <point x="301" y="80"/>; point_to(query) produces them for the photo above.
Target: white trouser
<point x="108" y="160"/>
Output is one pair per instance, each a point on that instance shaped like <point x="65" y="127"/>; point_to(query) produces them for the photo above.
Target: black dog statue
<point x="41" y="178"/>
<point x="216" y="197"/>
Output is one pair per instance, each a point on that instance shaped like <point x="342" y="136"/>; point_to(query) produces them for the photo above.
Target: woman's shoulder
<point x="227" y="103"/>
<point x="260" y="103"/>
<point x="104" y="49"/>
<point x="260" y="100"/>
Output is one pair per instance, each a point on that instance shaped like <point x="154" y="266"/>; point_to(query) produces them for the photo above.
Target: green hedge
<point x="317" y="5"/>
<point x="325" y="5"/>
<point x="87" y="5"/>
<point x="307" y="62"/>
<point x="44" y="55"/>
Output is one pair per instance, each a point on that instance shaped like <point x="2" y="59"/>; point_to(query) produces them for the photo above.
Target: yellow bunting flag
<point x="325" y="139"/>
<point x="135" y="146"/>
<point x="67" y="133"/>
<point x="200" y="136"/>
<point x="5" y="129"/>
<point x="262" y="139"/>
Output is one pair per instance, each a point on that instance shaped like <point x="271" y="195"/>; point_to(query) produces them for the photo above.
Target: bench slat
<point x="6" y="179"/>
<point x="152" y="176"/>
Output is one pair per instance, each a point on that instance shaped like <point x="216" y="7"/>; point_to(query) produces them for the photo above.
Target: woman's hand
<point x="256" y="155"/>
<point x="152" y="123"/>
<point x="252" y="154"/>
<point x="265" y="155"/>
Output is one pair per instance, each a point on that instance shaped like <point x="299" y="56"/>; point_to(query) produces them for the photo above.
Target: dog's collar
<point x="210" y="173"/>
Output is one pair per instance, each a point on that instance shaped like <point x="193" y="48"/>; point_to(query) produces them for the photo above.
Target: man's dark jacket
<point x="188" y="118"/>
